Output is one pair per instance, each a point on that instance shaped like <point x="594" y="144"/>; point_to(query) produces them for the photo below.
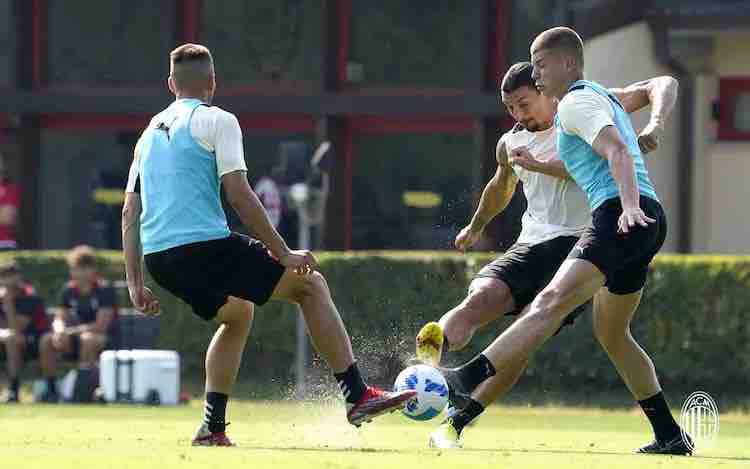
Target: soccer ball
<point x="432" y="391"/>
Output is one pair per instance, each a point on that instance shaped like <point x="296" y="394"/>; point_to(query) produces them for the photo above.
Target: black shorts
<point x="527" y="268"/>
<point x="623" y="258"/>
<point x="204" y="274"/>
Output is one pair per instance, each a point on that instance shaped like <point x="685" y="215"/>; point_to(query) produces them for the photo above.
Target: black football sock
<point x="658" y="413"/>
<point x="351" y="384"/>
<point x="216" y="409"/>
<point x="464" y="416"/>
<point x="51" y="385"/>
<point x="475" y="372"/>
<point x="14" y="384"/>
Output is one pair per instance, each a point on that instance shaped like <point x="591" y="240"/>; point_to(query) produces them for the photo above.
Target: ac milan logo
<point x="700" y="420"/>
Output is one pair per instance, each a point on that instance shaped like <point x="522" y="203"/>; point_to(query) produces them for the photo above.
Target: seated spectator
<point x="22" y="322"/>
<point x="10" y="201"/>
<point x="85" y="321"/>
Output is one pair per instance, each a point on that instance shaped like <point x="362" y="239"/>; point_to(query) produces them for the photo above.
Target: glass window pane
<point x="113" y="43"/>
<point x="72" y="162"/>
<point x="411" y="191"/>
<point x="266" y="158"/>
<point x="397" y="43"/>
<point x="527" y="19"/>
<point x="265" y="42"/>
<point x="7" y="44"/>
<point x="742" y="113"/>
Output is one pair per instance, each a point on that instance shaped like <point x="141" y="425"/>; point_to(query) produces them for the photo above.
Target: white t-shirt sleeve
<point x="133" y="173"/>
<point x="585" y="113"/>
<point x="219" y="132"/>
<point x="230" y="156"/>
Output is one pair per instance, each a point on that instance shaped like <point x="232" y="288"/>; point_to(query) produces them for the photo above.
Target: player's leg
<point x="488" y="299"/>
<point x="91" y="345"/>
<point x="51" y="347"/>
<point x="331" y="340"/>
<point x="575" y="282"/>
<point x="15" y="345"/>
<point x="612" y="316"/>
<point x="324" y="324"/>
<point x="528" y="272"/>
<point x="223" y="359"/>
<point x="503" y="286"/>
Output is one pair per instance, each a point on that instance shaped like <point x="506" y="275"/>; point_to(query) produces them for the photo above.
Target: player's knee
<point x="91" y="341"/>
<point x="238" y="313"/>
<point x="9" y="338"/>
<point x="548" y="305"/>
<point x="310" y="286"/>
<point x="610" y="338"/>
<point x="480" y="300"/>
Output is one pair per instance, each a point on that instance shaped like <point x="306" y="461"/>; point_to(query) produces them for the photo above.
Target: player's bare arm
<point x="142" y="297"/>
<point x="253" y="215"/>
<point x="610" y="145"/>
<point x="661" y="93"/>
<point x="523" y="158"/>
<point x="495" y="198"/>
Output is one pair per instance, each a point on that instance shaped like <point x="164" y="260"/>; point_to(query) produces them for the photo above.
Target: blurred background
<point x="404" y="91"/>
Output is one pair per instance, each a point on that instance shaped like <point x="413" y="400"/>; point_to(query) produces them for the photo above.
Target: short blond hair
<point x="561" y="39"/>
<point x="190" y="64"/>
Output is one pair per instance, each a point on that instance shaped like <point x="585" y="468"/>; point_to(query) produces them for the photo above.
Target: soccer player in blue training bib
<point x="173" y="220"/>
<point x="600" y="151"/>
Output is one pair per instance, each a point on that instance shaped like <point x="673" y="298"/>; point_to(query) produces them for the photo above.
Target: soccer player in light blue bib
<point x="602" y="153"/>
<point x="174" y="222"/>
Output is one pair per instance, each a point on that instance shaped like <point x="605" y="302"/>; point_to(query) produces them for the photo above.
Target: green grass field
<point x="310" y="435"/>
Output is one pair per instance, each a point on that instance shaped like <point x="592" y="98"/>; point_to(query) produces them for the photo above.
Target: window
<point x="7" y="44"/>
<point x="411" y="191"/>
<point x="114" y="43"/>
<point x="72" y="163"/>
<point x="265" y="43"/>
<point x="263" y="155"/>
<point x="397" y="44"/>
<point x="527" y="19"/>
<point x="734" y="108"/>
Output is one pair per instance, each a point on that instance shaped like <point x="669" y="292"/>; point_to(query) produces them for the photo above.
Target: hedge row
<point x="693" y="319"/>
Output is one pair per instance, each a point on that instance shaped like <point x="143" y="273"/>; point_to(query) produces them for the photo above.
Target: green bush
<point x="693" y="320"/>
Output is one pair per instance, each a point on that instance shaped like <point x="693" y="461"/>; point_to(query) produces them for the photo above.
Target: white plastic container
<point x="144" y="376"/>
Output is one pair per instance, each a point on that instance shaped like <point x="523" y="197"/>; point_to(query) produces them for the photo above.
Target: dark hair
<point x="562" y="39"/>
<point x="517" y="76"/>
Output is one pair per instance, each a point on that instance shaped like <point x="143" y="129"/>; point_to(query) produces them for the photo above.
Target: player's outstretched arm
<point x="495" y="198"/>
<point x="661" y="93"/>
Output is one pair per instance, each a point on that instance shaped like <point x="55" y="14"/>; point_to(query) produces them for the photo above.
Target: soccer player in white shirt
<point x="557" y="214"/>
